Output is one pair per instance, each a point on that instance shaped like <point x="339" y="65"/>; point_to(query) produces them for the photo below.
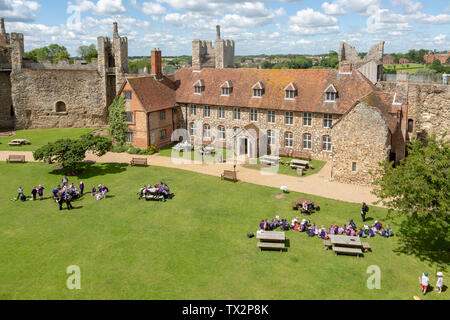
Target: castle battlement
<point x="219" y="55"/>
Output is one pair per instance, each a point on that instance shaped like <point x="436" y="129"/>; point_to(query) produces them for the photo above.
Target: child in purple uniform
<point x="41" y="192"/>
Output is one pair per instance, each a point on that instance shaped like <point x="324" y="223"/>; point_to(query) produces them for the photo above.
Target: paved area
<point x="318" y="184"/>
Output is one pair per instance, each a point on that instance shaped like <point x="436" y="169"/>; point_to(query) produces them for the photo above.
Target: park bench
<point x="366" y="247"/>
<point x="15" y="158"/>
<point x="271" y="245"/>
<point x="139" y="161"/>
<point x="327" y="244"/>
<point x="345" y="250"/>
<point x="229" y="175"/>
<point x="285" y="152"/>
<point x="301" y="155"/>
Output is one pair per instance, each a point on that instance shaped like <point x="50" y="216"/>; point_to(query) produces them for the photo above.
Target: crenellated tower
<point x="219" y="56"/>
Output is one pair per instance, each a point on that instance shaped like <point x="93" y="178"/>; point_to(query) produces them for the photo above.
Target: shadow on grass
<point x="90" y="170"/>
<point x="427" y="238"/>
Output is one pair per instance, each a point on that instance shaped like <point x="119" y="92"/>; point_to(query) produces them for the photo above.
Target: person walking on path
<point x="364" y="211"/>
<point x="440" y="282"/>
<point x="424" y="281"/>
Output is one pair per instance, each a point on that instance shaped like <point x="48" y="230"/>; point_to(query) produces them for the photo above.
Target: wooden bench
<point x="301" y="155"/>
<point x="271" y="245"/>
<point x="139" y="161"/>
<point x="229" y="175"/>
<point x="15" y="158"/>
<point x="366" y="247"/>
<point x="285" y="152"/>
<point x="327" y="244"/>
<point x="345" y="250"/>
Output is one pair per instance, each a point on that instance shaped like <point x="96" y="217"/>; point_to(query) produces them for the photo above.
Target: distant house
<point x="403" y="61"/>
<point x="442" y="57"/>
<point x="388" y="60"/>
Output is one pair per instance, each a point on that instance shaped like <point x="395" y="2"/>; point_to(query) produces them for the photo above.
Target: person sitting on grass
<point x="336" y="229"/>
<point x="23" y="197"/>
<point x="323" y="234"/>
<point x="302" y="227"/>
<point x="331" y="229"/>
<point x="294" y="221"/>
<point x="370" y="233"/>
<point x="389" y="232"/>
<point x="361" y="233"/>
<point x="352" y="224"/>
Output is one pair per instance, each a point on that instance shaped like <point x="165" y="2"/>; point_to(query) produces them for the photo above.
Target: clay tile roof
<point x="154" y="95"/>
<point x="310" y="83"/>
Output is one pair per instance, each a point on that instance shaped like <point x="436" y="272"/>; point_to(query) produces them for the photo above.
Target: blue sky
<point x="261" y="26"/>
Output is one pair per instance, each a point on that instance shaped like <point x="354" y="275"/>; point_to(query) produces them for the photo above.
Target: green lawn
<point x="284" y="169"/>
<point x="411" y="68"/>
<point x="38" y="138"/>
<point x="192" y="247"/>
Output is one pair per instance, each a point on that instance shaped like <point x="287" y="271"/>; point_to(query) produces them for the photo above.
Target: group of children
<point x="312" y="229"/>
<point x="424" y="282"/>
<point x="100" y="192"/>
<point x="160" y="189"/>
<point x="34" y="193"/>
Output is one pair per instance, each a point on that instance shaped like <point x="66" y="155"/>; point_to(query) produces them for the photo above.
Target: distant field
<point x="39" y="138"/>
<point x="411" y="68"/>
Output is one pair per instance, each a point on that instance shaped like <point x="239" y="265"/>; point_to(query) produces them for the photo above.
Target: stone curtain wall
<point x="5" y="101"/>
<point x="361" y="137"/>
<point x="35" y="93"/>
<point x="429" y="107"/>
<point x="316" y="130"/>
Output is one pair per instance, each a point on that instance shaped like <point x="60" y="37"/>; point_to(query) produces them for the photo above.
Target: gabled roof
<point x="154" y="95"/>
<point x="198" y="83"/>
<point x="258" y="85"/>
<point x="310" y="83"/>
<point x="330" y="88"/>
<point x="227" y="84"/>
<point x="291" y="86"/>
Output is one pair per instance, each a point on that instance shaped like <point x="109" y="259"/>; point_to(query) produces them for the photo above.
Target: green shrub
<point x="153" y="149"/>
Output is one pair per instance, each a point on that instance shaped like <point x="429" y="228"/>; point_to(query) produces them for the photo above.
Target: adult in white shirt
<point x="424" y="281"/>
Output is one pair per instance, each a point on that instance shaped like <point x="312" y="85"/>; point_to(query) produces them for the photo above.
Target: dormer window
<point x="290" y="92"/>
<point x="199" y="87"/>
<point x="226" y="88"/>
<point x="258" y="90"/>
<point x="331" y="94"/>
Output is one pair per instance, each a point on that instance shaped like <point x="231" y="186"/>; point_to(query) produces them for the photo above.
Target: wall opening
<point x="61" y="107"/>
<point x="410" y="125"/>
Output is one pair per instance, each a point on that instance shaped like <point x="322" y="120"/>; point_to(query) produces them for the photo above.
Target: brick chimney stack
<point x="157" y="64"/>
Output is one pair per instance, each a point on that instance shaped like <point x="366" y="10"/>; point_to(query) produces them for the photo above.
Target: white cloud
<point x="408" y="6"/>
<point x="108" y="7"/>
<point x="18" y="10"/>
<point x="310" y="22"/>
<point x="340" y="7"/>
<point x="152" y="8"/>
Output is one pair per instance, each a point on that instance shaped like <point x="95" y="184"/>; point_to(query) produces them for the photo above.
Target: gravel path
<point x="318" y="184"/>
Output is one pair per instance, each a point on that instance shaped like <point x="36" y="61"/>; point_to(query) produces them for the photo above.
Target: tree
<point x="118" y="127"/>
<point x="417" y="192"/>
<point x="88" y="53"/>
<point x="53" y="52"/>
<point x="70" y="153"/>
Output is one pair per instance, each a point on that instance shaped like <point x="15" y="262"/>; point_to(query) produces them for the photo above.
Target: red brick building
<point x="442" y="57"/>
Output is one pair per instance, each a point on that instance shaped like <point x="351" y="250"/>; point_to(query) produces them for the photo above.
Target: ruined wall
<point x="361" y="137"/>
<point x="6" y="121"/>
<point x="36" y="92"/>
<point x="428" y="107"/>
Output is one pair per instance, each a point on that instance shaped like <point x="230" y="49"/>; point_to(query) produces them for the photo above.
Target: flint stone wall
<point x="362" y="136"/>
<point x="429" y="107"/>
<point x="35" y="93"/>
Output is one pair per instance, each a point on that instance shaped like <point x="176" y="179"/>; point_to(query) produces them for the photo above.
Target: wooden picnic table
<point x="271" y="236"/>
<point x="302" y="200"/>
<point x="299" y="162"/>
<point x="345" y="241"/>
